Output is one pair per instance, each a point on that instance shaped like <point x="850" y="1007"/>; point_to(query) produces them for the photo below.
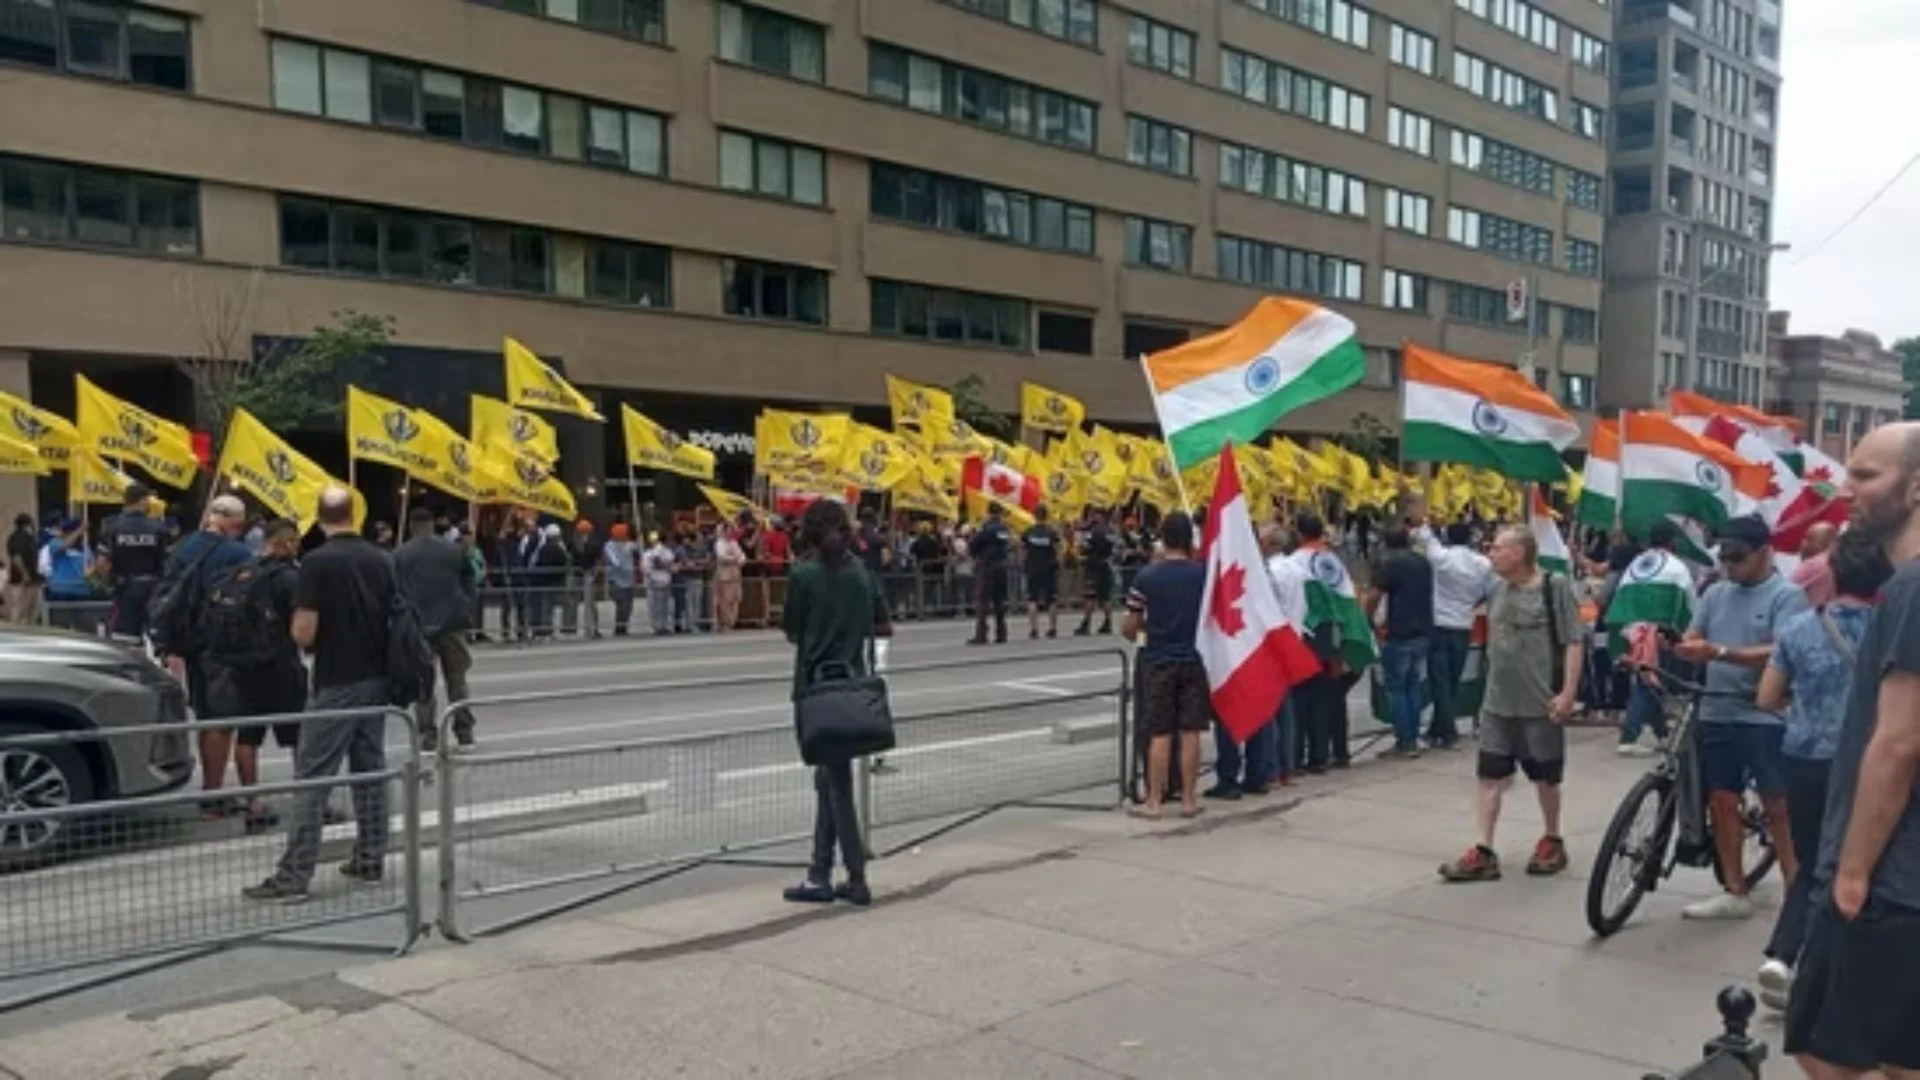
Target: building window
<point x="763" y="290"/>
<point x="772" y="42"/>
<point x="920" y="311"/>
<point x="1590" y="52"/>
<point x="349" y="86"/>
<point x="1280" y="87"/>
<point x="638" y="274"/>
<point x="1310" y="273"/>
<point x="1069" y="20"/>
<point x="1502" y="236"/>
<point x="1143" y="339"/>
<point x="1337" y="19"/>
<point x="1018" y="108"/>
<point x="1583" y="190"/>
<point x="1411" y="49"/>
<point x="1403" y="291"/>
<point x="1158" y="146"/>
<point x="1495" y="83"/>
<point x="1583" y="257"/>
<point x="1409" y="131"/>
<point x="1589" y="120"/>
<point x="766" y="166"/>
<point x="379" y="242"/>
<point x="1477" y="305"/>
<point x="1062" y="332"/>
<point x="1258" y="172"/>
<point x="1496" y="160"/>
<point x="105" y="39"/>
<point x="1159" y="244"/>
<point x="1832" y="418"/>
<point x="1157" y="45"/>
<point x="642" y="20"/>
<point x="1408" y="212"/>
<point x="1519" y="18"/>
<point x="956" y="205"/>
<point x="53" y="203"/>
<point x="1579" y="324"/>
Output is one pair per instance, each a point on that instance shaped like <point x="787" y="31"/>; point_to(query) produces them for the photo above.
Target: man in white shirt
<point x="1460" y="579"/>
<point x="1289" y="582"/>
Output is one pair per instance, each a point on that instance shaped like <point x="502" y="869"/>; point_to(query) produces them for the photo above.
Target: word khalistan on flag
<point x="1230" y="386"/>
<point x="1482" y="414"/>
<point x="1252" y="654"/>
<point x="1554" y="556"/>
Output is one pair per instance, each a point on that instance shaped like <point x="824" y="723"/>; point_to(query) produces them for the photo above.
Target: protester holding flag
<point x="1406" y="582"/>
<point x="1653" y="602"/>
<point x="1340" y="636"/>
<point x="1461" y="577"/>
<point x="1164" y="604"/>
<point x="1533" y="673"/>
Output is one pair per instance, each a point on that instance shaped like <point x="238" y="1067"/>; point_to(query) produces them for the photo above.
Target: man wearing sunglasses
<point x="1740" y="744"/>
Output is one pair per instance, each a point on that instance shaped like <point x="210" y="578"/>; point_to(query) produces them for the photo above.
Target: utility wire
<point x="1858" y="214"/>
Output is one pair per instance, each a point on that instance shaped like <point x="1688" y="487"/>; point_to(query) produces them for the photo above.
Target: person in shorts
<point x="273" y="683"/>
<point x="1855" y="1006"/>
<point x="1040" y="555"/>
<point x="1734" y="626"/>
<point x="1164" y="603"/>
<point x="1534" y="652"/>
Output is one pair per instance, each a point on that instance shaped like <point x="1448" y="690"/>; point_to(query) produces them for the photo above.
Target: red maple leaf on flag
<point x="1819" y="474"/>
<point x="1773" y="490"/>
<point x="1001" y="483"/>
<point x="1228" y="588"/>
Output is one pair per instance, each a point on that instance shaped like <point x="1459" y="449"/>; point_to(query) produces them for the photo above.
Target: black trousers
<point x="1806" y="809"/>
<point x="836" y="818"/>
<point x="992" y="598"/>
<point x="1322" y="707"/>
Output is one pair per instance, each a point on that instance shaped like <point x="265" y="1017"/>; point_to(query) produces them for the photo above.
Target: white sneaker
<point x="1719" y="906"/>
<point x="1630" y="749"/>
<point x="1776" y="984"/>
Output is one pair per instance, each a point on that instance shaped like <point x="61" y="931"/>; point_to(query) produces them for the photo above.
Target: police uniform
<point x="989" y="548"/>
<point x="1042" y="546"/>
<point x="137" y="552"/>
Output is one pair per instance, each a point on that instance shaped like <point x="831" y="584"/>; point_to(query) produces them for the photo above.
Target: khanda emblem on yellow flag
<point x="281" y="467"/>
<point x="530" y="472"/>
<point x="400" y="425"/>
<point x="805" y="433"/>
<point x="458" y="458"/>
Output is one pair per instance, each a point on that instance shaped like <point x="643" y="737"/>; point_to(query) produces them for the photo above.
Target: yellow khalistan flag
<point x="651" y="446"/>
<point x="128" y="433"/>
<point x="260" y="463"/>
<point x="954" y="441"/>
<point x="1049" y="410"/>
<point x="495" y="423"/>
<point x="90" y="479"/>
<point x="387" y="433"/>
<point x="731" y="506"/>
<point x="456" y="462"/>
<point x="876" y="460"/>
<point x="22" y="458"/>
<point x="914" y="403"/>
<point x="521" y="480"/>
<point x="54" y="435"/>
<point x="1064" y="491"/>
<point x="1096" y="457"/>
<point x="790" y="442"/>
<point x="531" y="384"/>
<point x="924" y="489"/>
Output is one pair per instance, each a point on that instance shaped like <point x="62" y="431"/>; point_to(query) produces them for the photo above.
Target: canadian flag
<point x="1003" y="484"/>
<point x="790" y="504"/>
<point x="1793" y="506"/>
<point x="1253" y="656"/>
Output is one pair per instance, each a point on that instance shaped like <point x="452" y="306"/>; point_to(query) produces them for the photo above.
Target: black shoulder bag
<point x="843" y="714"/>
<point x="1559" y="647"/>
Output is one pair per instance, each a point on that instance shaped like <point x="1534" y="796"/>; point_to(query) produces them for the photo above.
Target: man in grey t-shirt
<point x="1857" y="990"/>
<point x="1732" y="633"/>
<point x="1534" y="647"/>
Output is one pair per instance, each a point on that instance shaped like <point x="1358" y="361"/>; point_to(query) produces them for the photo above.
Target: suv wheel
<point x="43" y="777"/>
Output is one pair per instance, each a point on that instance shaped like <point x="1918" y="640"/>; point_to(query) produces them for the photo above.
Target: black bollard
<point x="1737" y="1007"/>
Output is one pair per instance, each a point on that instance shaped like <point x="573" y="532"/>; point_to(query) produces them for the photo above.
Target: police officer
<point x="136" y="546"/>
<point x="990" y="546"/>
<point x="1098" y="547"/>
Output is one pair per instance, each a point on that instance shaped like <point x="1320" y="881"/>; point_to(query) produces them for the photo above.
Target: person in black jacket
<point x="991" y="547"/>
<point x="438" y="578"/>
<point x="269" y="680"/>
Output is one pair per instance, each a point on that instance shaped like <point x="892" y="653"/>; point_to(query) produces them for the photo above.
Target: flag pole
<point x="1179" y="481"/>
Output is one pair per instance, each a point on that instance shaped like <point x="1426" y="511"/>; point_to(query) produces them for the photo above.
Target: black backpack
<point x="174" y="609"/>
<point x="242" y="629"/>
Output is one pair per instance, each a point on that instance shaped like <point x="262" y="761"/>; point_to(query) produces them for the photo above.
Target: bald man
<point x="1856" y="993"/>
<point x="341" y="616"/>
<point x="1814" y="575"/>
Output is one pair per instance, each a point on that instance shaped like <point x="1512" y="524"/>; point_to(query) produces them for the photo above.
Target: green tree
<point x="970" y="405"/>
<point x="1909" y="350"/>
<point x="287" y="387"/>
<point x="1367" y="435"/>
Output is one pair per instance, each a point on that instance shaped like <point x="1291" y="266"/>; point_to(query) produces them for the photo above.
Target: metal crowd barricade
<point x="84" y="616"/>
<point x="639" y="810"/>
<point x="144" y="882"/>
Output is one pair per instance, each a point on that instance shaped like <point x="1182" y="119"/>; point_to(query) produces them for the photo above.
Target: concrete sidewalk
<point x="1303" y="934"/>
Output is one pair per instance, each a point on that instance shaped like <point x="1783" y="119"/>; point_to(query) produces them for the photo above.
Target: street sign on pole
<point x="1517" y="300"/>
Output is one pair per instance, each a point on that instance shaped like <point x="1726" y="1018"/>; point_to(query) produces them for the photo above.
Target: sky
<point x="1847" y="125"/>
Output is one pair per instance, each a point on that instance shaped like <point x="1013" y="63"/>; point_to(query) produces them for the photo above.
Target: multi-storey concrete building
<point x="1696" y="101"/>
<point x="1839" y="387"/>
<point x="704" y="206"/>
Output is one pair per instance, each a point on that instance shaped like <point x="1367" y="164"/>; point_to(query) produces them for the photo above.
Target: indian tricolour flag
<point x="1657" y="588"/>
<point x="1600" y="485"/>
<point x="1554" y="556"/>
<point x="1231" y="386"/>
<point x="1482" y="414"/>
<point x="1666" y="470"/>
<point x="1331" y="599"/>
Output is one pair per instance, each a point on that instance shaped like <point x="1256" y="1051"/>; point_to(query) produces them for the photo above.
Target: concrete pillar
<point x="16" y="492"/>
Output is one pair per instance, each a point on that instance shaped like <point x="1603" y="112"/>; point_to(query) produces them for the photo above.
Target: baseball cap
<point x="1748" y="532"/>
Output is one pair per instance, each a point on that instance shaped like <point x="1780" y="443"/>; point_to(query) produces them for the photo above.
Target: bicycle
<point x="1639" y="849"/>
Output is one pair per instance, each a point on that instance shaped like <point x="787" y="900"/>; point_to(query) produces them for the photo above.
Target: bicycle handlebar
<point x="1686" y="685"/>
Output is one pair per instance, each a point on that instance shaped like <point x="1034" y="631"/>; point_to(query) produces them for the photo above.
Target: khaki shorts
<point x="1537" y="745"/>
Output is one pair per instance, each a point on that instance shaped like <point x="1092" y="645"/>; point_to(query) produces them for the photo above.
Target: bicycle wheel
<point x="1756" y="843"/>
<point x="1630" y="856"/>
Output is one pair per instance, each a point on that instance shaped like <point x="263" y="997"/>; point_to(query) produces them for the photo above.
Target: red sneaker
<point x="1480" y="863"/>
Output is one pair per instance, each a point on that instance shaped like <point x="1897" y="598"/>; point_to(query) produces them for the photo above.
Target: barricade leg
<point x="444" y="774"/>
